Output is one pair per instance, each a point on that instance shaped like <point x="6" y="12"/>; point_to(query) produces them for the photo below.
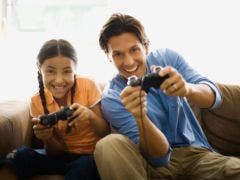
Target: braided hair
<point x="50" y="49"/>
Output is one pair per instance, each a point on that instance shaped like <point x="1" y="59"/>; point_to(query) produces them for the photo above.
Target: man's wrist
<point x="140" y="119"/>
<point x="189" y="90"/>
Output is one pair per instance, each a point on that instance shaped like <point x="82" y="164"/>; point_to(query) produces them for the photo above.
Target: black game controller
<point x="148" y="81"/>
<point x="53" y="118"/>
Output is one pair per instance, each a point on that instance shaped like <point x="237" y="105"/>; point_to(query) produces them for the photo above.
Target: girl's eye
<point x="68" y="72"/>
<point x="49" y="71"/>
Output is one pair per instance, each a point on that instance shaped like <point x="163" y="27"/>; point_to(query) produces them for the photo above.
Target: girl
<point x="68" y="144"/>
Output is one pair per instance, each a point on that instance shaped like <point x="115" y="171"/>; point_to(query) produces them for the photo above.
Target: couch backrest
<point x="222" y="125"/>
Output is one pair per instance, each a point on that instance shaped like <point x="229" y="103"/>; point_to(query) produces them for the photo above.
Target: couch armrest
<point x="15" y="126"/>
<point x="222" y="125"/>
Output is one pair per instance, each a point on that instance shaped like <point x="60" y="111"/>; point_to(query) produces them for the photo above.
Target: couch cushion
<point x="15" y="125"/>
<point x="222" y="125"/>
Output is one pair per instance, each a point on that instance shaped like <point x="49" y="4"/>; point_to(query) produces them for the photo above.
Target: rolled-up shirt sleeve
<point x="218" y="97"/>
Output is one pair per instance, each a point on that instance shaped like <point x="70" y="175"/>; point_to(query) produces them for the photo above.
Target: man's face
<point x="128" y="54"/>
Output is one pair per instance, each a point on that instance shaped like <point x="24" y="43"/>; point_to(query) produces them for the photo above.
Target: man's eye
<point x="135" y="49"/>
<point x="116" y="55"/>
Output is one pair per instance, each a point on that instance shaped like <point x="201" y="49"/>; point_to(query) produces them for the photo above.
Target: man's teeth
<point x="131" y="70"/>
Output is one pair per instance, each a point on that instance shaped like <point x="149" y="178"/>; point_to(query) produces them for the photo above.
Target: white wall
<point x="205" y="32"/>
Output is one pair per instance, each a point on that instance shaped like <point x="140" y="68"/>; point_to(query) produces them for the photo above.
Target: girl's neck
<point x="62" y="101"/>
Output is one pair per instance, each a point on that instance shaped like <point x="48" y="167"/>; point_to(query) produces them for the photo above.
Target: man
<point x="158" y="135"/>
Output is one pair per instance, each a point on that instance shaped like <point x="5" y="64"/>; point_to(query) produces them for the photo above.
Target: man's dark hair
<point x="118" y="24"/>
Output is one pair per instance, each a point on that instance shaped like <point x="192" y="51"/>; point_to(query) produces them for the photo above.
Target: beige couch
<point x="222" y="125"/>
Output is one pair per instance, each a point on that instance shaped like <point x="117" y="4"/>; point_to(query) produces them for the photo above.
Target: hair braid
<point x="41" y="93"/>
<point x="73" y="90"/>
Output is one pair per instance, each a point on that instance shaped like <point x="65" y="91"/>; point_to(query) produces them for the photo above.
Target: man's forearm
<point x="200" y="95"/>
<point x="152" y="141"/>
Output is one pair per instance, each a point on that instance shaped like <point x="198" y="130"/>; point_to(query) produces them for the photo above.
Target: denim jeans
<point x="29" y="162"/>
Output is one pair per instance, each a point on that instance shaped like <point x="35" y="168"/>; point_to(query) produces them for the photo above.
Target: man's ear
<point x="146" y="48"/>
<point x="109" y="58"/>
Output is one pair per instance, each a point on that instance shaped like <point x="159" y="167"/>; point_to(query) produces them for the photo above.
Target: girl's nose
<point x="59" y="78"/>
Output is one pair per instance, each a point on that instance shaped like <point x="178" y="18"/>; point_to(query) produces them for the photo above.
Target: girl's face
<point x="58" y="75"/>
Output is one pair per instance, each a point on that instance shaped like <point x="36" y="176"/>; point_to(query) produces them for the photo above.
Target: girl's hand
<point x="134" y="100"/>
<point x="42" y="132"/>
<point x="80" y="112"/>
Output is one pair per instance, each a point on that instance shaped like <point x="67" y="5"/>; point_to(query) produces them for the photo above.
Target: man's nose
<point x="128" y="60"/>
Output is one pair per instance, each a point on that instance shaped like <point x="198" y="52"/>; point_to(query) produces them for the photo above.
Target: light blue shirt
<point x="172" y="115"/>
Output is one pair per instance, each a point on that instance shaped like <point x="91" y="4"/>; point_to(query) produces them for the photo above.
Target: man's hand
<point x="175" y="85"/>
<point x="134" y="100"/>
<point x="41" y="132"/>
<point x="199" y="94"/>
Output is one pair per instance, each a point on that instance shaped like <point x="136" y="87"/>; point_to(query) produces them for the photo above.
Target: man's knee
<point x="232" y="166"/>
<point x="110" y="143"/>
